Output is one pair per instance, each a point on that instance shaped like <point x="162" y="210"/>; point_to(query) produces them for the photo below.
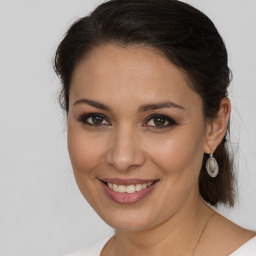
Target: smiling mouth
<point x="128" y="191"/>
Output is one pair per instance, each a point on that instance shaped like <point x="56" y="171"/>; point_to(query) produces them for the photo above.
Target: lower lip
<point x="127" y="198"/>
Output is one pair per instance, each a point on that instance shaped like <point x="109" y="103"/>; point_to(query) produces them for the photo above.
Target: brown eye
<point x="94" y="120"/>
<point x="159" y="121"/>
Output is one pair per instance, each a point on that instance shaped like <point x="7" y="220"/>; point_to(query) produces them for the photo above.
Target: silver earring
<point x="212" y="166"/>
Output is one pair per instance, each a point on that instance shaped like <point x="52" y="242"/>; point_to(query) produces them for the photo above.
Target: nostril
<point x="124" y="160"/>
<point x="124" y="151"/>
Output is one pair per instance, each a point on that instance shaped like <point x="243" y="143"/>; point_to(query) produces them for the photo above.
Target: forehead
<point x="136" y="72"/>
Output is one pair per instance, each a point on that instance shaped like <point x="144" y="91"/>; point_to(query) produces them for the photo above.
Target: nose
<point x="125" y="152"/>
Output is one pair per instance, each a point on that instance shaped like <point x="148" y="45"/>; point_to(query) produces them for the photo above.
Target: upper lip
<point x="127" y="182"/>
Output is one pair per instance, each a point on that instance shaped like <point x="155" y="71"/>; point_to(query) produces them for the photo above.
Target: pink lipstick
<point x="128" y="191"/>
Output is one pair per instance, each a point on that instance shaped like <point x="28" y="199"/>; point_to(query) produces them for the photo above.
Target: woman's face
<point x="134" y="120"/>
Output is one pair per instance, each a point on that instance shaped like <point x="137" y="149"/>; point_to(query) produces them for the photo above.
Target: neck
<point x="183" y="228"/>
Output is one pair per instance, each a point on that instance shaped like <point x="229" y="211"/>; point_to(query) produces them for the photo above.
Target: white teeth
<point x="110" y="185"/>
<point x="121" y="189"/>
<point x="115" y="187"/>
<point x="144" y="186"/>
<point x="130" y="188"/>
<point x="138" y="187"/>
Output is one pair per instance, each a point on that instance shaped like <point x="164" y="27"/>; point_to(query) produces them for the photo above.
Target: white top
<point x="247" y="249"/>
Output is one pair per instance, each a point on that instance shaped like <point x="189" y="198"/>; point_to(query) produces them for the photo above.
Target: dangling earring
<point x="212" y="166"/>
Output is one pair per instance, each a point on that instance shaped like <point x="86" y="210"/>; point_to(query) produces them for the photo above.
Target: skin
<point x="129" y="145"/>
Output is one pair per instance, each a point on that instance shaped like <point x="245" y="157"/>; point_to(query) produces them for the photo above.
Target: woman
<point x="145" y="91"/>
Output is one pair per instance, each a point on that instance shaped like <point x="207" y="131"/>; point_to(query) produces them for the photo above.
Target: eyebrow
<point x="93" y="104"/>
<point x="144" y="108"/>
<point x="166" y="104"/>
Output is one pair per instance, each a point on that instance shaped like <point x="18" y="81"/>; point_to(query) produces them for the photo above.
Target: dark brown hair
<point x="186" y="36"/>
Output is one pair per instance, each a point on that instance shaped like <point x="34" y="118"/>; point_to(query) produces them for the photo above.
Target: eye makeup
<point x="155" y="121"/>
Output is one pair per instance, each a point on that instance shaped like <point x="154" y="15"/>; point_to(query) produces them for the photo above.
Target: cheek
<point x="178" y="158"/>
<point x="181" y="152"/>
<point x="85" y="151"/>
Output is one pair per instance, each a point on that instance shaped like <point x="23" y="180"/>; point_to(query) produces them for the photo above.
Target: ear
<point x="216" y="128"/>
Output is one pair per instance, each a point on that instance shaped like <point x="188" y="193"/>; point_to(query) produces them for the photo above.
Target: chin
<point x="128" y="219"/>
<point x="128" y="223"/>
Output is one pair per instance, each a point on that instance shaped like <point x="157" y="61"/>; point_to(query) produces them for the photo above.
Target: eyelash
<point x="83" y="119"/>
<point x="171" y="122"/>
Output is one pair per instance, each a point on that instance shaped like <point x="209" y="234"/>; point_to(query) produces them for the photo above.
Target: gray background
<point x="41" y="210"/>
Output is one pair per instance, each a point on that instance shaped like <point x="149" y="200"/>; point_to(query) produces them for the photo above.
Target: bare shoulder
<point x="228" y="228"/>
<point x="223" y="237"/>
